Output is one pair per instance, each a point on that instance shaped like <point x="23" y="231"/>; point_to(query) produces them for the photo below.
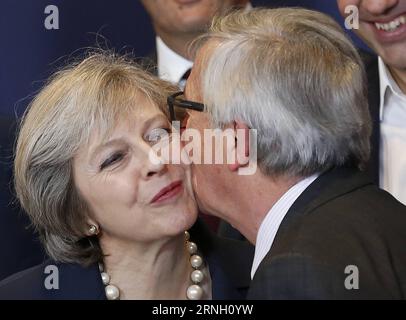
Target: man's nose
<point x="379" y="7"/>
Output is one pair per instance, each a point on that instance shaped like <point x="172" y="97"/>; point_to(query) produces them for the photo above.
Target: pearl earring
<point x="93" y="230"/>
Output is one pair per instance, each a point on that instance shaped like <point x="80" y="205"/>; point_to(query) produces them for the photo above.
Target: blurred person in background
<point x="382" y="25"/>
<point x="176" y="24"/>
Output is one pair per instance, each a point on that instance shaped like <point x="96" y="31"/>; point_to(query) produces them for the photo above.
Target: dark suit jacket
<point x="340" y="220"/>
<point x="229" y="263"/>
<point x="19" y="248"/>
<point x="372" y="71"/>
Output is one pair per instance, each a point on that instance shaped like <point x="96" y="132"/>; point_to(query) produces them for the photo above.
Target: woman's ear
<point x="93" y="228"/>
<point x="242" y="145"/>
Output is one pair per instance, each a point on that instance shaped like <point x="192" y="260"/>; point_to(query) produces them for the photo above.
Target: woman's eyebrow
<point x="95" y="152"/>
<point x="115" y="141"/>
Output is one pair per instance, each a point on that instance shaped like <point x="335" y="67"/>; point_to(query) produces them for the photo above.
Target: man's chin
<point x="202" y="207"/>
<point x="200" y="202"/>
<point x="392" y="54"/>
<point x="395" y="57"/>
<point x="194" y="24"/>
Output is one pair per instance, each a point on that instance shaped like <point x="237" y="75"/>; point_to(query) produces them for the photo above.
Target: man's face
<point x="186" y="16"/>
<point x="382" y="26"/>
<point x="209" y="182"/>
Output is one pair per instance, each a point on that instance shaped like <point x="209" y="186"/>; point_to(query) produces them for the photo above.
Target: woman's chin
<point x="182" y="220"/>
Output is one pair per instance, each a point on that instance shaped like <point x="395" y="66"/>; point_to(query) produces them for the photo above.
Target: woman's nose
<point x="153" y="165"/>
<point x="378" y="7"/>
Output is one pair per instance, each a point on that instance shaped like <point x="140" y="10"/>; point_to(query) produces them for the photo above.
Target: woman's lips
<point x="169" y="192"/>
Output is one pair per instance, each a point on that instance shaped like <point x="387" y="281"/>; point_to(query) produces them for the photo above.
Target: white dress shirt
<point x="171" y="66"/>
<point x="270" y="225"/>
<point x="392" y="168"/>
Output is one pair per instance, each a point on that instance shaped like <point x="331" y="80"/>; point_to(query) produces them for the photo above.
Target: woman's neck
<point x="157" y="270"/>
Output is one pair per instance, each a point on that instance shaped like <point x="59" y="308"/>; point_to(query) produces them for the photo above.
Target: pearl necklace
<point x="193" y="292"/>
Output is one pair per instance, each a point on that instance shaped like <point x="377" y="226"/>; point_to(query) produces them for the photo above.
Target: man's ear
<point x="242" y="145"/>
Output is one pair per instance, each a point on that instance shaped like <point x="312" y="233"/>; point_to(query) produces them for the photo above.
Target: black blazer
<point x="18" y="247"/>
<point x="341" y="219"/>
<point x="229" y="263"/>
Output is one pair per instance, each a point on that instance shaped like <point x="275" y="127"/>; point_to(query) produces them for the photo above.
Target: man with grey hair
<point x="322" y="229"/>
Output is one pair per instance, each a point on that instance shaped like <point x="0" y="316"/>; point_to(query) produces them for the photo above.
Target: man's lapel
<point x="372" y="71"/>
<point x="328" y="186"/>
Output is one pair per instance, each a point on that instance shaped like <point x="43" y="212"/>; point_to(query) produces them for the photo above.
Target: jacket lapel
<point x="372" y="70"/>
<point x="328" y="186"/>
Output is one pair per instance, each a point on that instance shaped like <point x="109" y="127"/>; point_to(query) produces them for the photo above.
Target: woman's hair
<point x="293" y="75"/>
<point x="91" y="94"/>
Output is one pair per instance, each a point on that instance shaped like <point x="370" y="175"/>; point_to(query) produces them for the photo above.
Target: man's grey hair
<point x="93" y="94"/>
<point x="293" y="75"/>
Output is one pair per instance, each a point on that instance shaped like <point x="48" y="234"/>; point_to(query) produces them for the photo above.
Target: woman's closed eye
<point x="114" y="158"/>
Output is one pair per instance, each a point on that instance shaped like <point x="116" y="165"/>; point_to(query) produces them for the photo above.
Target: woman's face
<point x="129" y="196"/>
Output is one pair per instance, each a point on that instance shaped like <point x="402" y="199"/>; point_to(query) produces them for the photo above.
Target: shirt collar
<point x="171" y="66"/>
<point x="270" y="225"/>
<point x="386" y="82"/>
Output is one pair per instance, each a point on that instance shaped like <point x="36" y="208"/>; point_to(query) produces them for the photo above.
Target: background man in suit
<point x="322" y="229"/>
<point x="177" y="23"/>
<point x="382" y="25"/>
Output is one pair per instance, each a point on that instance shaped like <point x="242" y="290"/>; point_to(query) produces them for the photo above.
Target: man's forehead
<point x="206" y="50"/>
<point x="201" y="58"/>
